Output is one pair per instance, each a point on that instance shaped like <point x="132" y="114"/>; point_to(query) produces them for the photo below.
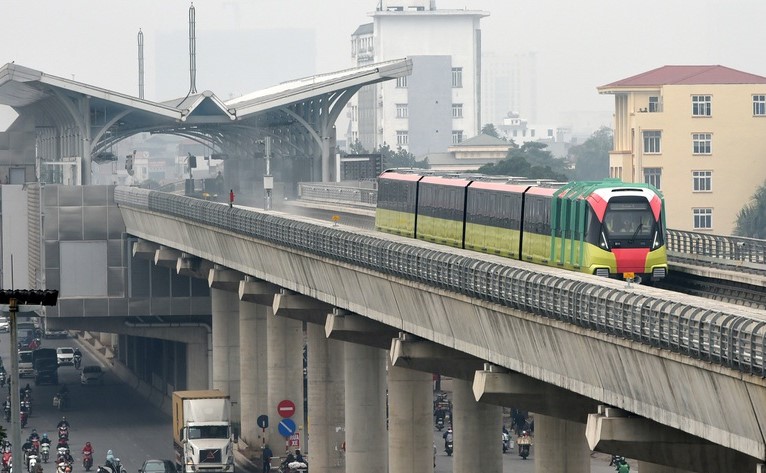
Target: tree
<point x="751" y="220"/>
<point x="530" y="160"/>
<point x="489" y="129"/>
<point x="592" y="157"/>
<point x="401" y="158"/>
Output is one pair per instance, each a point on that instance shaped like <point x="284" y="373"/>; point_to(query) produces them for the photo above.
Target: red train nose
<point x="630" y="260"/>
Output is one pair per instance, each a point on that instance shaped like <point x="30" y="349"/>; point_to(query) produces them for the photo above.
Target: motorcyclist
<point x="62" y="443"/>
<point x="34" y="435"/>
<point x="448" y="437"/>
<point x="299" y="457"/>
<point x="623" y="466"/>
<point x="65" y="457"/>
<point x="290" y="458"/>
<point x="44" y="440"/>
<point x="63" y="422"/>
<point x="87" y="449"/>
<point x="111" y="461"/>
<point x="77" y="353"/>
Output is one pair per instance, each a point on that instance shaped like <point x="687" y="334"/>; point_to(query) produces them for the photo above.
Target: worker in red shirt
<point x="231" y="198"/>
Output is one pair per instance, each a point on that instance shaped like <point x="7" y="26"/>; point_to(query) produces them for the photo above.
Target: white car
<point x="92" y="374"/>
<point x="5" y="325"/>
<point x="65" y="355"/>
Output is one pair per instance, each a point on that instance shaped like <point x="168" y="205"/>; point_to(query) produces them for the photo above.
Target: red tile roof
<point x="688" y="75"/>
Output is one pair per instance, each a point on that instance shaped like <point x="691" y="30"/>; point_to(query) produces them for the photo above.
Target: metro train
<point x="607" y="228"/>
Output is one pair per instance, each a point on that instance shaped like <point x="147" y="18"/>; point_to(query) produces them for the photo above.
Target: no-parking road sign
<point x="286" y="427"/>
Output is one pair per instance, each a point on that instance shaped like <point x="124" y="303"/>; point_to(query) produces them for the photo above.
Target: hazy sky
<point x="579" y="44"/>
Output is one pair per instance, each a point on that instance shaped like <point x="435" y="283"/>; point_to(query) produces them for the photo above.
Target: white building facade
<point x="440" y="103"/>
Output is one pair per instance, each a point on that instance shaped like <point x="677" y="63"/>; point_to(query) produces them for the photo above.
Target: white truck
<point x="202" y="437"/>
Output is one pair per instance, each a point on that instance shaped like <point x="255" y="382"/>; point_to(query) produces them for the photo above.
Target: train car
<point x="608" y="228"/>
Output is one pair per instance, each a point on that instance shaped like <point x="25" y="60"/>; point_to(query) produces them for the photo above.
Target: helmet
<point x="63" y="418"/>
<point x="34" y="431"/>
<point x="45" y="436"/>
<point x="87" y="444"/>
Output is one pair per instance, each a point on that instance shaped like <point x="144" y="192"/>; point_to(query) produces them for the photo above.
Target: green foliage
<point x="400" y="158"/>
<point x="530" y="160"/>
<point x="592" y="157"/>
<point x="751" y="220"/>
<point x="489" y="129"/>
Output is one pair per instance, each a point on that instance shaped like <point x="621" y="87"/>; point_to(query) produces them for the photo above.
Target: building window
<point x="457" y="110"/>
<point x="652" y="141"/>
<point x="703" y="181"/>
<point x="653" y="176"/>
<point x="615" y="172"/>
<point x="401" y="82"/>
<point x="402" y="111"/>
<point x="354" y="113"/>
<point x="457" y="77"/>
<point x="550" y="132"/>
<point x="759" y="105"/>
<point x="703" y="219"/>
<point x="402" y="138"/>
<point x="354" y="137"/>
<point x="457" y="136"/>
<point x="532" y="132"/>
<point x="654" y="104"/>
<point x="702" y="143"/>
<point x="701" y="106"/>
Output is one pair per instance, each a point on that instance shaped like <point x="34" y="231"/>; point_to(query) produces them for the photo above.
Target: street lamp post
<point x="13" y="298"/>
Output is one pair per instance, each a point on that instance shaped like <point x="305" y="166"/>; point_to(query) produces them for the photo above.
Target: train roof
<point x="400" y="176"/>
<point x="499" y="186"/>
<point x="445" y="181"/>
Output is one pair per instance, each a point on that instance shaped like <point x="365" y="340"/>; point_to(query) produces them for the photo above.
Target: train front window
<point x="628" y="223"/>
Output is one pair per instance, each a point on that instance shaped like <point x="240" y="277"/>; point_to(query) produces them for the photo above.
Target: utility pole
<point x="13" y="298"/>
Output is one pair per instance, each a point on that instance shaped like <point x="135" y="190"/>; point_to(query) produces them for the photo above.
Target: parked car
<point x="65" y="355"/>
<point x="93" y="374"/>
<point x="158" y="466"/>
<point x="5" y="325"/>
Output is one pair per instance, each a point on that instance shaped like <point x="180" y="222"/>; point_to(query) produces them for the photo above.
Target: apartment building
<point x="440" y="103"/>
<point x="696" y="133"/>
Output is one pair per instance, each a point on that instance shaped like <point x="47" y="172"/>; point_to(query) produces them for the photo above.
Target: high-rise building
<point x="694" y="132"/>
<point x="440" y="103"/>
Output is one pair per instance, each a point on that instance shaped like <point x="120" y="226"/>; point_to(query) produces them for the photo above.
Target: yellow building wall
<point x="738" y="151"/>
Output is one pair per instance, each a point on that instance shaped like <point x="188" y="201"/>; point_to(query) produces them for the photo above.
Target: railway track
<point x="733" y="292"/>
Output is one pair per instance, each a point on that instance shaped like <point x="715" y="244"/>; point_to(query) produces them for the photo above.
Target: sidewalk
<point x="245" y="459"/>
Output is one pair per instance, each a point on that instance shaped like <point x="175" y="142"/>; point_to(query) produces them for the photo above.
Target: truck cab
<point x="202" y="436"/>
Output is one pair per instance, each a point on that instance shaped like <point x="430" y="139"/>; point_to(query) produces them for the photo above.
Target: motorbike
<point x="2" y="378"/>
<point x="63" y="467"/>
<point x="507" y="442"/>
<point x="87" y="460"/>
<point x="524" y="444"/>
<point x="7" y="414"/>
<point x="32" y="461"/>
<point x="448" y="447"/>
<point x="294" y="467"/>
<point x="7" y="461"/>
<point x="23" y="418"/>
<point x="64" y="432"/>
<point x="77" y="361"/>
<point x="60" y="400"/>
<point x="26" y="404"/>
<point x="439" y="423"/>
<point x="45" y="452"/>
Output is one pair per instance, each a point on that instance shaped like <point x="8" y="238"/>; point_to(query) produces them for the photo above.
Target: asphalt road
<point x="114" y="416"/>
<point x="111" y="416"/>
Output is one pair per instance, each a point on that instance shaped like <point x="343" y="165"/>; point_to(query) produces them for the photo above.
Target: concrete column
<point x="410" y="416"/>
<point x="560" y="446"/>
<point x="366" y="439"/>
<point x="284" y="375"/>
<point x="646" y="467"/>
<point x="252" y="373"/>
<point x="197" y="362"/>
<point x="225" y="308"/>
<point x="326" y="401"/>
<point x="477" y="430"/>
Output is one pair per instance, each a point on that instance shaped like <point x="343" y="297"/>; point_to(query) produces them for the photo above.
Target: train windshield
<point x="629" y="224"/>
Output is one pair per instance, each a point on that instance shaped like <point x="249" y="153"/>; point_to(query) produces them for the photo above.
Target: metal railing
<point x="717" y="246"/>
<point x="732" y="339"/>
